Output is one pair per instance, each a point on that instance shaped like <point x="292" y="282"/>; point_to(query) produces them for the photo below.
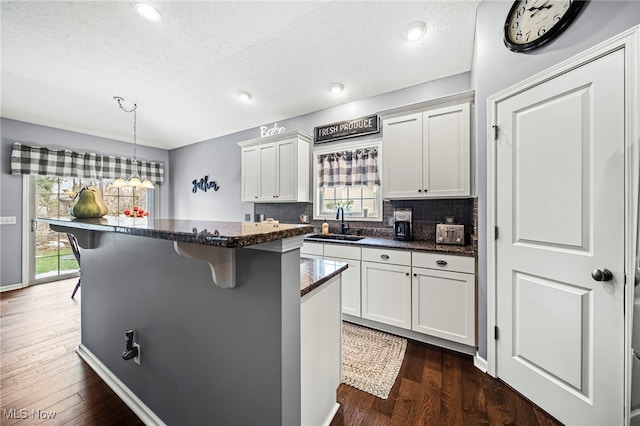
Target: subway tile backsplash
<point x="426" y="214"/>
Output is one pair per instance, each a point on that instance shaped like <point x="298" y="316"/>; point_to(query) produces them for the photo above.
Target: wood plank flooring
<point x="42" y="379"/>
<point x="41" y="374"/>
<point x="439" y="387"/>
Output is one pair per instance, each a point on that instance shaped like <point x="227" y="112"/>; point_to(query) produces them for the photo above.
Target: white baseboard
<point x="125" y="394"/>
<point x="331" y="415"/>
<point x="480" y="363"/>
<point x="10" y="287"/>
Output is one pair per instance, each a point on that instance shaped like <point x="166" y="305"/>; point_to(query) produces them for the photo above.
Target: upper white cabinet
<point x="427" y="149"/>
<point x="276" y="168"/>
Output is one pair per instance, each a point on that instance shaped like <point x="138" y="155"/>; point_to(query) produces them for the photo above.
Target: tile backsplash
<point x="426" y="214"/>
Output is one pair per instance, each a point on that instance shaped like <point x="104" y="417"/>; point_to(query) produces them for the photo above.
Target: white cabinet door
<point x="386" y="294"/>
<point x="267" y="171"/>
<point x="402" y="156"/>
<point x="287" y="171"/>
<point x="444" y="305"/>
<point x="350" y="286"/>
<point x="250" y="174"/>
<point x="446" y="152"/>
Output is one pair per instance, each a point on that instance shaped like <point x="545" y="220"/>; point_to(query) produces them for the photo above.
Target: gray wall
<point x="495" y="68"/>
<point x="11" y="185"/>
<point x="220" y="157"/>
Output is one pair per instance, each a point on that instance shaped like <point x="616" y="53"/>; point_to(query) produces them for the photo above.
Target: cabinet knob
<point x="384" y="256"/>
<point x="424" y="190"/>
<point x="419" y="190"/>
<point x="406" y="273"/>
<point x="255" y="196"/>
<point x="441" y="262"/>
<point x="415" y="275"/>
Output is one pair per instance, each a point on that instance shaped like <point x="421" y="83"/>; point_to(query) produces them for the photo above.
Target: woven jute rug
<point x="371" y="359"/>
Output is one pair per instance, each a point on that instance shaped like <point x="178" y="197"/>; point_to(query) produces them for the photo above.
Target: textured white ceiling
<point x="62" y="62"/>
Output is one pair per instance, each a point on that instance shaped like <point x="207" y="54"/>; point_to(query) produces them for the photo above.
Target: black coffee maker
<point x="403" y="223"/>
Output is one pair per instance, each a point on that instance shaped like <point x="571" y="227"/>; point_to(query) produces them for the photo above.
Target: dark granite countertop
<point x="213" y="233"/>
<point x="416" y="245"/>
<point x="315" y="272"/>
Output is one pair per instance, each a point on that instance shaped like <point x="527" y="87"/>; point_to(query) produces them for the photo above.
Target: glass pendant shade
<point x="147" y="184"/>
<point x="135" y="181"/>
<point x="118" y="183"/>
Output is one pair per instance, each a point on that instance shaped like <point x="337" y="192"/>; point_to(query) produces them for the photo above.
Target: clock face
<point x="531" y="23"/>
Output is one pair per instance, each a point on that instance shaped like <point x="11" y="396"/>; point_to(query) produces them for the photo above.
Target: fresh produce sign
<point x="347" y="129"/>
<point x="204" y="185"/>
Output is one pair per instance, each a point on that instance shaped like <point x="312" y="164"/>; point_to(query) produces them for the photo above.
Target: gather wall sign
<point x="204" y="185"/>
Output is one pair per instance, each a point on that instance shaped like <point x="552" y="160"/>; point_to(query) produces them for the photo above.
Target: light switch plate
<point x="7" y="220"/>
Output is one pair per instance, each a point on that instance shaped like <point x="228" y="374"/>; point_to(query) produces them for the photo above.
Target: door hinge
<point x="495" y="132"/>
<point x="495" y="332"/>
<point x="495" y="232"/>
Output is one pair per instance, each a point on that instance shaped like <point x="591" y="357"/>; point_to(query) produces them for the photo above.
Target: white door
<point x="560" y="216"/>
<point x="267" y="172"/>
<point x="287" y="168"/>
<point x="446" y="152"/>
<point x="386" y="294"/>
<point x="402" y="156"/>
<point x="250" y="174"/>
<point x="444" y="305"/>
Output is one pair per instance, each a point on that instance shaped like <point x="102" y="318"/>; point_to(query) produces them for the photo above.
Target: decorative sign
<point x="275" y="130"/>
<point x="347" y="129"/>
<point x="204" y="185"/>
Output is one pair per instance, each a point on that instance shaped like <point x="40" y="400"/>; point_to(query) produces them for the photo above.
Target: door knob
<point x="601" y="274"/>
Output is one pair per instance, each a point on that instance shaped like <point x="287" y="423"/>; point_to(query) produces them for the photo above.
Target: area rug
<point x="371" y="359"/>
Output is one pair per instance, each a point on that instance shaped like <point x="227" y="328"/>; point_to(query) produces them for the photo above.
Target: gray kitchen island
<point x="215" y="308"/>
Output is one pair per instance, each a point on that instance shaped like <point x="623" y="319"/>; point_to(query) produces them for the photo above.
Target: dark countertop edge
<point x="200" y="238"/>
<point x="415" y="245"/>
<point x="307" y="287"/>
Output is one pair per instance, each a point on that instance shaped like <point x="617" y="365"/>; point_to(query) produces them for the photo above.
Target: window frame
<point x="346" y="146"/>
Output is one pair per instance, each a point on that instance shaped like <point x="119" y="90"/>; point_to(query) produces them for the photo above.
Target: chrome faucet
<point x="343" y="229"/>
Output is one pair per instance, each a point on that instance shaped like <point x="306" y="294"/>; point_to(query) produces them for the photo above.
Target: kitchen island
<point x="215" y="308"/>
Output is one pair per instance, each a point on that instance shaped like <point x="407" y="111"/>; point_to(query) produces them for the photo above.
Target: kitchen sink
<point x="335" y="237"/>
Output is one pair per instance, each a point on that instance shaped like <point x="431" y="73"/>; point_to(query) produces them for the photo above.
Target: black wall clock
<point x="532" y="23"/>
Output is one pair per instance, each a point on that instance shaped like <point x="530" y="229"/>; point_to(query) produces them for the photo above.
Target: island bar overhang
<point x="209" y="355"/>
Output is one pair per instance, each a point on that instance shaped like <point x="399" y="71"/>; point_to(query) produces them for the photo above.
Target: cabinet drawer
<point x="344" y="252"/>
<point x="315" y="249"/>
<point x="445" y="262"/>
<point x="395" y="257"/>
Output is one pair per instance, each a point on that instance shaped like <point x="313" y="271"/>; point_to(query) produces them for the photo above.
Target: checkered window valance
<point x="349" y="168"/>
<point x="35" y="160"/>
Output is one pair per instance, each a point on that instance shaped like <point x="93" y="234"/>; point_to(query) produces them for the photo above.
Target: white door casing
<point x="560" y="212"/>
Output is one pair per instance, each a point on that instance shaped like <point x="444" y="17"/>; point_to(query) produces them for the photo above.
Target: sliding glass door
<point x="49" y="253"/>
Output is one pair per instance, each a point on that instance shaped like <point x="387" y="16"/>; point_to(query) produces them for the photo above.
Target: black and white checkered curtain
<point x="35" y="160"/>
<point x="349" y="168"/>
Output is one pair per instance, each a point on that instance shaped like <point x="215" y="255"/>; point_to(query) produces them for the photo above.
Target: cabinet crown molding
<point x="275" y="138"/>
<point x="454" y="99"/>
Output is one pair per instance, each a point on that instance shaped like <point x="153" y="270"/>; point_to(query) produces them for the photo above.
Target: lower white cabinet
<point x="386" y="293"/>
<point x="444" y="297"/>
<point x="351" y="296"/>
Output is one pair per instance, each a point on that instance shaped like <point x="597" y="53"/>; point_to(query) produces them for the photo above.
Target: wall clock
<point x="532" y="23"/>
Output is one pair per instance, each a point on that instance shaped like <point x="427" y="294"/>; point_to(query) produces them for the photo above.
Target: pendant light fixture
<point x="134" y="180"/>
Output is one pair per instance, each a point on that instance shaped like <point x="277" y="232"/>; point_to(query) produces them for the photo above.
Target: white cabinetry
<point x="427" y="149"/>
<point x="444" y="297"/>
<point x="386" y="286"/>
<point x="350" y="255"/>
<point x="276" y="168"/>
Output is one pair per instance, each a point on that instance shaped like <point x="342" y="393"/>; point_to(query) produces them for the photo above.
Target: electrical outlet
<point x="137" y="357"/>
<point x="247" y="217"/>
<point x="7" y="220"/>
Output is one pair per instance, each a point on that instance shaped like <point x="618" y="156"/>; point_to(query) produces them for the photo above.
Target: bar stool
<point x="76" y="252"/>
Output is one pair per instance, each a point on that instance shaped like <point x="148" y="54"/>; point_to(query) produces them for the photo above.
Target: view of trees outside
<point x="54" y="198"/>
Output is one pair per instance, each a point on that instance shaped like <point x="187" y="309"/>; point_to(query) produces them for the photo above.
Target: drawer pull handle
<point x="441" y="262"/>
<point x="384" y="256"/>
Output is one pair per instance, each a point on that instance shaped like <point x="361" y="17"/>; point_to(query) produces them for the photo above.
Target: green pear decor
<point x="89" y="204"/>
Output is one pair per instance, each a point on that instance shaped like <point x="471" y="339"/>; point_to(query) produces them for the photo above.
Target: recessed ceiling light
<point x="244" y="96"/>
<point x="336" y="88"/>
<point x="414" y="31"/>
<point x="148" y="12"/>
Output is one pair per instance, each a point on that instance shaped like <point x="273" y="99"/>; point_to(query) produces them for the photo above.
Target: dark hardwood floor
<point x="41" y="375"/>
<point x="439" y="387"/>
<point x="42" y="379"/>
